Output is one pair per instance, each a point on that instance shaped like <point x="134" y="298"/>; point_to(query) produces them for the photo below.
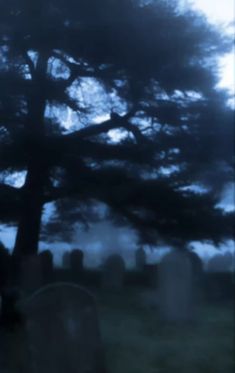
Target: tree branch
<point x="115" y="122"/>
<point x="29" y="63"/>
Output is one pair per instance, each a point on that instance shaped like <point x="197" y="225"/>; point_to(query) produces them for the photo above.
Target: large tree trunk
<point x="28" y="232"/>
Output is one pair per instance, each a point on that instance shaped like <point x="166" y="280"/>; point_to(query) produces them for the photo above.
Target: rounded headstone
<point x="76" y="260"/>
<point x="176" y="298"/>
<point x="62" y="329"/>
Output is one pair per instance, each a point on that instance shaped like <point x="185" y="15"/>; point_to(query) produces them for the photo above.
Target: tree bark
<point x="28" y="231"/>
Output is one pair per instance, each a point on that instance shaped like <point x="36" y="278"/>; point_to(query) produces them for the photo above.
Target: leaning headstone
<point x="60" y="333"/>
<point x="176" y="298"/>
<point x="113" y="274"/>
<point x="66" y="260"/>
<point x="140" y="259"/>
<point x="47" y="266"/>
<point x="30" y="273"/>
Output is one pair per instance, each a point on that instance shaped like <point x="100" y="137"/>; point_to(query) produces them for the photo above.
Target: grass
<point x="137" y="342"/>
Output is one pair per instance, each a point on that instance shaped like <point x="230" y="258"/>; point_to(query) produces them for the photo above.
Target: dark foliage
<point x="151" y="72"/>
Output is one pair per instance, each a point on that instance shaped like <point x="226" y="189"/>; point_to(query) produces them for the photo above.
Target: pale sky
<point x="216" y="10"/>
<point x="220" y="12"/>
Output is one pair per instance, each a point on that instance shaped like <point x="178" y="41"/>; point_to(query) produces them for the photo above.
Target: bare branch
<point x="114" y="122"/>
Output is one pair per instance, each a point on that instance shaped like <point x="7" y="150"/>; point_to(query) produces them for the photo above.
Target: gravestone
<point x="60" y="333"/>
<point x="76" y="263"/>
<point x="140" y="259"/>
<point x="176" y="298"/>
<point x="66" y="260"/>
<point x="47" y="266"/>
<point x="113" y="274"/>
<point x="30" y="273"/>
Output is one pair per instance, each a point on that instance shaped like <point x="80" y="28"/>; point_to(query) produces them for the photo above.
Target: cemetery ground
<point x="136" y="341"/>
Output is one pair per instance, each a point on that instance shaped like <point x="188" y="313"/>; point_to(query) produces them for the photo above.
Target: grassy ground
<point x="137" y="342"/>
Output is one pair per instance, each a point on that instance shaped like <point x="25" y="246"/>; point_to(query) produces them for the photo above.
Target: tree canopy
<point x="113" y="102"/>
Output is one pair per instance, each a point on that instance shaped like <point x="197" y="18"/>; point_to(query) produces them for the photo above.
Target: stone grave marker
<point x="140" y="259"/>
<point x="113" y="274"/>
<point x="76" y="263"/>
<point x="175" y="281"/>
<point x="60" y="333"/>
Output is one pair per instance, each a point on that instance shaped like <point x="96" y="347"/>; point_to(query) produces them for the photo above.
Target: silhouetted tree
<point x="151" y="73"/>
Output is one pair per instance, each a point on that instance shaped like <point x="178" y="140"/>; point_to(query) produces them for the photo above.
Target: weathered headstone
<point x="176" y="298"/>
<point x="140" y="259"/>
<point x="47" y="266"/>
<point x="60" y="332"/>
<point x="113" y="274"/>
<point x="76" y="262"/>
<point x="30" y="273"/>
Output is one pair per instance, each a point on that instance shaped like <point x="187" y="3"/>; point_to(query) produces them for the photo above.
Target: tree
<point x="146" y="68"/>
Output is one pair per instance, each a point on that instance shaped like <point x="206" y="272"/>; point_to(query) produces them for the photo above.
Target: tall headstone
<point x="30" y="273"/>
<point x="76" y="261"/>
<point x="60" y="333"/>
<point x="46" y="266"/>
<point x="176" y="298"/>
<point x="113" y="274"/>
<point x="140" y="259"/>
